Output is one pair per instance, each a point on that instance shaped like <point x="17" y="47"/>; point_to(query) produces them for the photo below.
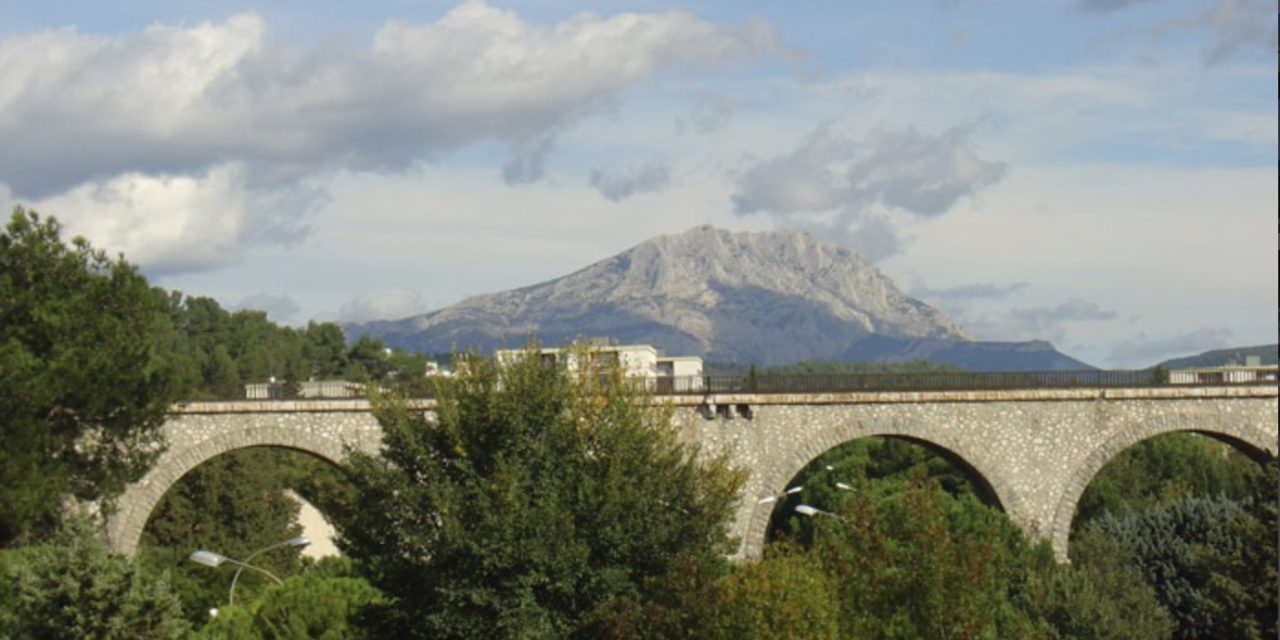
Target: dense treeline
<point x="215" y="351"/>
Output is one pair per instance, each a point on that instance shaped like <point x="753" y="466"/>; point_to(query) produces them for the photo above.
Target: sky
<point x="1101" y="174"/>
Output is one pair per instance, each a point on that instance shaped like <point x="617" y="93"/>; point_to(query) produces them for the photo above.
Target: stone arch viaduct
<point x="1035" y="449"/>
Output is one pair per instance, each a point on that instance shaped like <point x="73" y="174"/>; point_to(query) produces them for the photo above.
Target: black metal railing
<point x="955" y="381"/>
<point x="932" y="381"/>
<point x="752" y="383"/>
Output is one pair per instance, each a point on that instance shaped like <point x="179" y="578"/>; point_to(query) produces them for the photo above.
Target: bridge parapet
<point x="339" y="405"/>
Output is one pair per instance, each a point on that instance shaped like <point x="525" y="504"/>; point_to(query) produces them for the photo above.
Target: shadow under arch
<point x="994" y="494"/>
<point x="134" y="506"/>
<point x="1252" y="443"/>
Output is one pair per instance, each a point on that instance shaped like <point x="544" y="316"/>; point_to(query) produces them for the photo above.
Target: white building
<point x="1251" y="371"/>
<point x="667" y="373"/>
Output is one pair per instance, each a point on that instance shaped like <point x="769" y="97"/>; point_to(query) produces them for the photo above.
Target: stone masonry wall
<point x="1035" y="449"/>
<point x="324" y="429"/>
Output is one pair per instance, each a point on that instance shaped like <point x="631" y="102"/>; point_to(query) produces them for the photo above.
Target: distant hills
<point x="1267" y="354"/>
<point x="764" y="298"/>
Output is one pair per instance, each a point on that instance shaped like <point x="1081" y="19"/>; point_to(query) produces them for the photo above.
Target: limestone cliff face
<point x="751" y="297"/>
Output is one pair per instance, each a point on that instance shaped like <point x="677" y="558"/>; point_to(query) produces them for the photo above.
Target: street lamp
<point x="212" y="559"/>
<point x="811" y="511"/>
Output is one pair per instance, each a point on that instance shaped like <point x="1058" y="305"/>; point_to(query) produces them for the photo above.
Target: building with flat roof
<point x="636" y="360"/>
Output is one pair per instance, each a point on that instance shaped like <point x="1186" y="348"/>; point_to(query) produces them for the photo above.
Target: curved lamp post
<point x="212" y="559"/>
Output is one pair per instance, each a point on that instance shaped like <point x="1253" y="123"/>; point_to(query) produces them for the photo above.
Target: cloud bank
<point x="209" y="132"/>
<point x="848" y="189"/>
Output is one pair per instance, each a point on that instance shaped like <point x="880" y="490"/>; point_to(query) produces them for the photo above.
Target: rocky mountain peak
<point x="764" y="297"/>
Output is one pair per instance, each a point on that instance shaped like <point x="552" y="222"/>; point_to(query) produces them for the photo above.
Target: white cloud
<point x="279" y="308"/>
<point x="854" y="191"/>
<point x="174" y="98"/>
<point x="385" y="304"/>
<point x="1038" y="323"/>
<point x="177" y="223"/>
<point x="960" y="293"/>
<point x="181" y="144"/>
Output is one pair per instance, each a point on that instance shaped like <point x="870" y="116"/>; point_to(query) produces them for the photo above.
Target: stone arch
<point x="1258" y="441"/>
<point x="998" y="491"/>
<point x="124" y="527"/>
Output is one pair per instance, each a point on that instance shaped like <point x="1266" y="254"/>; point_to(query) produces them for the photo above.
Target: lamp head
<point x="207" y="558"/>
<point x="807" y="510"/>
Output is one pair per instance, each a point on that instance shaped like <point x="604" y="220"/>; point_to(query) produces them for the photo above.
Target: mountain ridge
<point x="766" y="297"/>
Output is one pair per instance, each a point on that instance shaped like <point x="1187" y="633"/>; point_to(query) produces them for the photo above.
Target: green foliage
<point x="1196" y="520"/>
<point x="84" y="384"/>
<point x="218" y="352"/>
<point x="875" y="459"/>
<point x="530" y="499"/>
<point x="910" y="561"/>
<point x="912" y="544"/>
<point x="233" y="504"/>
<point x="72" y="587"/>
<point x="1158" y="470"/>
<point x="1240" y="587"/>
<point x="1191" y="551"/>
<point x="1100" y="595"/>
<point x="325" y="349"/>
<point x="305" y="607"/>
<point x="787" y="595"/>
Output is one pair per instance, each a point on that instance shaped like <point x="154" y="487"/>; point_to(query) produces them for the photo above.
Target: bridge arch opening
<point x="1158" y="469"/>
<point x="1191" y="516"/>
<point x="1249" y="438"/>
<point x="861" y="463"/>
<point x="235" y="503"/>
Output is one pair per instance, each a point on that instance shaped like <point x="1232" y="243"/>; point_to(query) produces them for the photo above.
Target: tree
<point x="785" y="596"/>
<point x="83" y="386"/>
<point x="71" y="587"/>
<point x="912" y="561"/>
<point x="1101" y="594"/>
<point x="528" y="500"/>
<point x="1190" y="551"/>
<point x="325" y="349"/>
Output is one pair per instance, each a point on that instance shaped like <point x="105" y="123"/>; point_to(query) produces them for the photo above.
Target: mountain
<point x="1267" y="354"/>
<point x="767" y="298"/>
